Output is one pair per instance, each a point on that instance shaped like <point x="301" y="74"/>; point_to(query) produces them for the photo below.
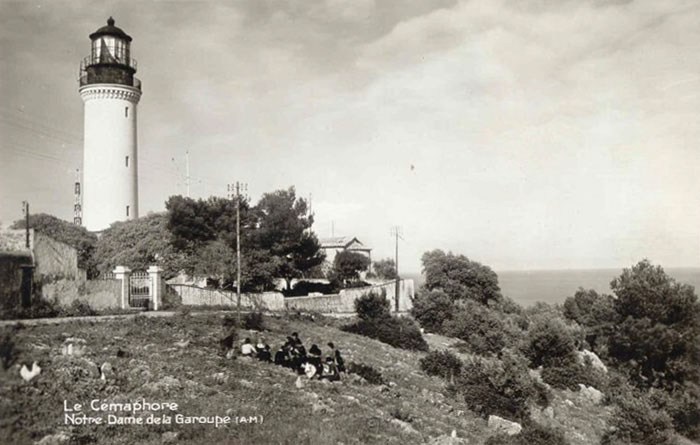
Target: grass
<point x="147" y="363"/>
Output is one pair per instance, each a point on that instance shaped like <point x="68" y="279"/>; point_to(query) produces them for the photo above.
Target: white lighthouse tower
<point x="110" y="93"/>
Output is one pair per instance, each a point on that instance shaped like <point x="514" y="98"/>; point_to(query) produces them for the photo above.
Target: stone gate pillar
<point x="124" y="274"/>
<point x="156" y="286"/>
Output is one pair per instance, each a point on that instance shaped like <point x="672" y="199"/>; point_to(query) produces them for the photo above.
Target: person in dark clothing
<point x="265" y="355"/>
<point x="335" y="353"/>
<point x="281" y="357"/>
<point x="314" y="358"/>
<point x="330" y="370"/>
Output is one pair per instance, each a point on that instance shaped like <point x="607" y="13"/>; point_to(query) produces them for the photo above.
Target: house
<point x="331" y="247"/>
<point x="46" y="259"/>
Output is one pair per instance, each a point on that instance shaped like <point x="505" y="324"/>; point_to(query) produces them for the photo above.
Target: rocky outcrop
<point x="499" y="425"/>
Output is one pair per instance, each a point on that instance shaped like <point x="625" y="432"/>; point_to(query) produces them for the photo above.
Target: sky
<point x="530" y="134"/>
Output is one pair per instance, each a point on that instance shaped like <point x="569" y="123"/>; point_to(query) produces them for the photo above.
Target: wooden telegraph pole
<point x="396" y="232"/>
<point x="236" y="189"/>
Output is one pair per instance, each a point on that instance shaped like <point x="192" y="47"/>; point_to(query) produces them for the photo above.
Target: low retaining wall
<point x="198" y="296"/>
<point x="344" y="302"/>
<point x="99" y="294"/>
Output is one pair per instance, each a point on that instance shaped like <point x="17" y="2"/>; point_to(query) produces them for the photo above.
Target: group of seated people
<point x="292" y="354"/>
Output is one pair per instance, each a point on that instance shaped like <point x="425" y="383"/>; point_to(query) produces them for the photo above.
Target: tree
<point x="460" y="277"/>
<point x="347" y="265"/>
<point x="71" y="234"/>
<point x="595" y="313"/>
<point x="658" y="328"/>
<point x="283" y="230"/>
<point x="385" y="269"/>
<point x="138" y="244"/>
<point x="432" y="309"/>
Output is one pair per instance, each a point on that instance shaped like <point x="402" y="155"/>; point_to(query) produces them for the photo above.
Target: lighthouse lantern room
<point x="110" y="93"/>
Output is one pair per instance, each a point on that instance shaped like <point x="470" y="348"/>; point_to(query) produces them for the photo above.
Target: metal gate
<point x="139" y="289"/>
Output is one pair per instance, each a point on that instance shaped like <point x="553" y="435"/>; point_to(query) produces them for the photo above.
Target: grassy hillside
<point x="176" y="360"/>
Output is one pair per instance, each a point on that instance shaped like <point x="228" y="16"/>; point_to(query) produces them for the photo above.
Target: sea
<point x="553" y="286"/>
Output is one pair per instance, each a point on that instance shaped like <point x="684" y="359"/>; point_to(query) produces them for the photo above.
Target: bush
<point x="366" y="372"/>
<point x="638" y="419"/>
<point x="549" y="343"/>
<point x="8" y="349"/>
<point x="567" y="374"/>
<point x="531" y="434"/>
<point x="373" y="306"/>
<point x="480" y="327"/>
<point x="503" y="388"/>
<point x="442" y="363"/>
<point x="432" y="309"/>
<point x="254" y="321"/>
<point x="395" y="331"/>
<point x="79" y="308"/>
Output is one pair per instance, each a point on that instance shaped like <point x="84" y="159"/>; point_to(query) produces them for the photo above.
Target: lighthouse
<point x="110" y="93"/>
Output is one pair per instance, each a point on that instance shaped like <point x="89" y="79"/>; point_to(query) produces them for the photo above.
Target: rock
<point x="182" y="343"/>
<point x="169" y="437"/>
<point x="590" y="394"/>
<point x="74" y="346"/>
<point x="106" y="371"/>
<point x="595" y="361"/>
<point x="501" y="425"/>
<point x="298" y="383"/>
<point x="54" y="439"/>
<point x="450" y="439"/>
<point x="166" y="384"/>
<point x="548" y="412"/>
<point x="405" y="426"/>
<point x="220" y="378"/>
<point x="568" y="402"/>
<point x="246" y="383"/>
<point x="321" y="407"/>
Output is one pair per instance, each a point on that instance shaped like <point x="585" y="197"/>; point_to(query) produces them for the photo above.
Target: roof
<point x="110" y="30"/>
<point x="342" y="242"/>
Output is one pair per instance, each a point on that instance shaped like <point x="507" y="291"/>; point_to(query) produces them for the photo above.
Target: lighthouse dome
<point x="110" y="30"/>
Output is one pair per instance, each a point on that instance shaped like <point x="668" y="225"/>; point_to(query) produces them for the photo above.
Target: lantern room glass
<point x="116" y="48"/>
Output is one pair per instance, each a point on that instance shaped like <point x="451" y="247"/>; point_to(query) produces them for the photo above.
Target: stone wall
<point x="198" y="296"/>
<point x="54" y="259"/>
<point x="99" y="294"/>
<point x="344" y="302"/>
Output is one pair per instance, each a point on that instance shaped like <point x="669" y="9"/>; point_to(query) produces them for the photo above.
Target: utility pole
<point x="187" y="171"/>
<point x="396" y="233"/>
<point x="236" y="189"/>
<point x="25" y="209"/>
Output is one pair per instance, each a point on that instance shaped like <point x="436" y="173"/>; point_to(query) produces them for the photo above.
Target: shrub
<point x="657" y="338"/>
<point x="79" y="308"/>
<point x="568" y="374"/>
<point x="531" y="434"/>
<point x="500" y="387"/>
<point x="442" y="363"/>
<point x="682" y="406"/>
<point x="398" y="413"/>
<point x="549" y="343"/>
<point x="638" y="419"/>
<point x="480" y="327"/>
<point x="395" y="331"/>
<point x="366" y="372"/>
<point x="432" y="309"/>
<point x="8" y="349"/>
<point x="254" y="321"/>
<point x="373" y="306"/>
